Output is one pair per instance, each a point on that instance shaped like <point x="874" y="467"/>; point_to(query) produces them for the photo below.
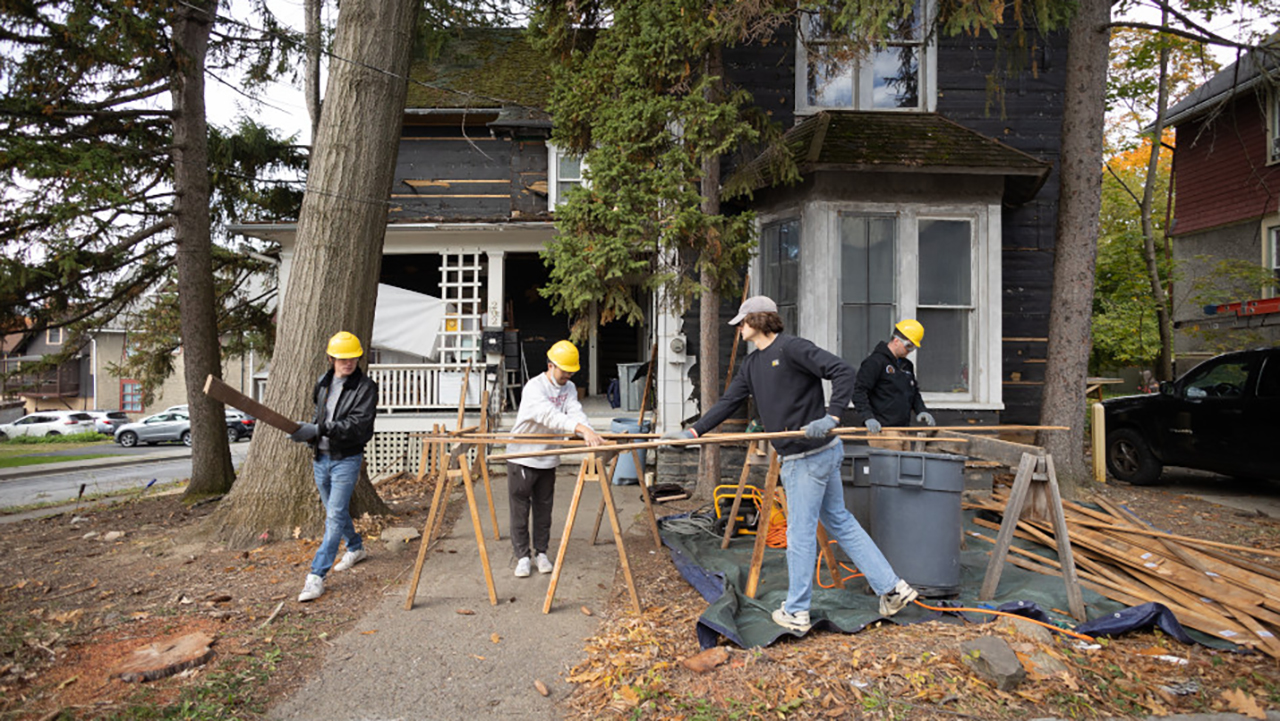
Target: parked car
<point x="159" y="428"/>
<point x="239" y="425"/>
<point x="48" y="423"/>
<point x="1222" y="416"/>
<point x="108" y="421"/>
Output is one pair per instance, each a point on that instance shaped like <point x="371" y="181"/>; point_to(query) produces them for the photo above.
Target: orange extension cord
<point x="946" y="609"/>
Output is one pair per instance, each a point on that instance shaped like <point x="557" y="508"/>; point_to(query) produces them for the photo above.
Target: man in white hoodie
<point x="548" y="405"/>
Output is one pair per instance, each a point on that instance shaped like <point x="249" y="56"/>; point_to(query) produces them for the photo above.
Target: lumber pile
<point x="1208" y="585"/>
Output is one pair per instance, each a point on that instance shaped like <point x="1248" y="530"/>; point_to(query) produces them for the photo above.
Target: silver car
<point x="159" y="428"/>
<point x="106" y="422"/>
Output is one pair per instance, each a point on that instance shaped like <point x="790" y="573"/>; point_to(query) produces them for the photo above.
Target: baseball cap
<point x="754" y="304"/>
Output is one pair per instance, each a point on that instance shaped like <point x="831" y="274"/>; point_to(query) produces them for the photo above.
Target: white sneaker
<point x="351" y="558"/>
<point x="544" y="563"/>
<point x="798" y="621"/>
<point x="522" y="568"/>
<point x="312" y="589"/>
<point x="897" y="598"/>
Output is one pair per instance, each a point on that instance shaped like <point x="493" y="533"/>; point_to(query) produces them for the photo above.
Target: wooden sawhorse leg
<point x="458" y="456"/>
<point x="592" y="470"/>
<point x="762" y="527"/>
<point x="644" y="493"/>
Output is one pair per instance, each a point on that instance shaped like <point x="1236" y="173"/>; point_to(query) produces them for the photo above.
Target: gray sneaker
<point x="897" y="598"/>
<point x="522" y="568"/>
<point x="350" y="558"/>
<point x="544" y="564"/>
<point x="797" y="622"/>
<point x="312" y="589"/>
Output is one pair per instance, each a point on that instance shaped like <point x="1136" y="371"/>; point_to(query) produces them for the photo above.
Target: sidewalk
<point x="435" y="663"/>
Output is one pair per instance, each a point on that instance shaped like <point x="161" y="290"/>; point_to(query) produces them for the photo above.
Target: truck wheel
<point x="1130" y="460"/>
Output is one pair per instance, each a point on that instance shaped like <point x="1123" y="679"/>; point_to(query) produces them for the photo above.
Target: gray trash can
<point x="625" y="473"/>
<point x="915" y="516"/>
<point x="630" y="392"/>
<point x="855" y="473"/>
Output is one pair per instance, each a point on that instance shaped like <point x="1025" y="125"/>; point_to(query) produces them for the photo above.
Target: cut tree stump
<point x="165" y="658"/>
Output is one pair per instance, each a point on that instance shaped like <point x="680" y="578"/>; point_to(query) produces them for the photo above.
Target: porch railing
<point x="424" y="386"/>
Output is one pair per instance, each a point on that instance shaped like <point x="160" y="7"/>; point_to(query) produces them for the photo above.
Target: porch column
<point x="495" y="302"/>
<point x="593" y="351"/>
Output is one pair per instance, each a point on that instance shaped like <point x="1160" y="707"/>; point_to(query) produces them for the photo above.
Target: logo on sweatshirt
<point x="774" y="363"/>
<point x="889" y="370"/>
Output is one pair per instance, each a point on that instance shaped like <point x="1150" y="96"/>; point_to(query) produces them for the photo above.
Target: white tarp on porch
<point x="407" y="322"/>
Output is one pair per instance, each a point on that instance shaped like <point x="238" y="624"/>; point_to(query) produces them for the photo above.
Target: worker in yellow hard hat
<point x="548" y="405"/>
<point x="885" y="392"/>
<point x="346" y="400"/>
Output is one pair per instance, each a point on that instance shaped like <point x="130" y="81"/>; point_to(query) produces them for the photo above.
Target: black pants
<point x="530" y="488"/>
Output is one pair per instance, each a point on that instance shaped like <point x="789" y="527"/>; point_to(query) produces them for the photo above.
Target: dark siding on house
<point x="1025" y="114"/>
<point x="1221" y="171"/>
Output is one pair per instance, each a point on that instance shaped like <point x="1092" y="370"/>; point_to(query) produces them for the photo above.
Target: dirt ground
<point x="73" y="607"/>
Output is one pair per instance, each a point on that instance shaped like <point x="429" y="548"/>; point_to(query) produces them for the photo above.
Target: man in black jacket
<point x="785" y="377"/>
<point x="885" y="392"/>
<point x="346" y="401"/>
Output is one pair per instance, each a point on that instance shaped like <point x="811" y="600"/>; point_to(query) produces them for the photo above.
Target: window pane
<point x="1269" y="382"/>
<point x="866" y="259"/>
<point x="1221" y="380"/>
<point x="570" y="167"/>
<point x="830" y="79"/>
<point x="945" y="262"/>
<point x="562" y="189"/>
<point x="942" y="363"/>
<point x="780" y="263"/>
<point x="910" y="27"/>
<point x="861" y="328"/>
<point x="895" y="81"/>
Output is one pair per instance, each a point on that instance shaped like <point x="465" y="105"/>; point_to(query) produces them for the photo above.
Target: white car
<point x="156" y="429"/>
<point x="106" y="422"/>
<point x="48" y="423"/>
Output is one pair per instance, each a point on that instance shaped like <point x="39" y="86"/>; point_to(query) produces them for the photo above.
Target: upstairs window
<point x="131" y="396"/>
<point x="564" y="172"/>
<point x="1273" y="248"/>
<point x="898" y="76"/>
<point x="53" y="336"/>
<point x="1273" y="127"/>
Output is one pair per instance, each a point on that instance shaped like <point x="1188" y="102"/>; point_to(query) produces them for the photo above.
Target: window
<point x="867" y="288"/>
<point x="564" y="172"/>
<point x="1218" y="380"/>
<point x="1273" y="250"/>
<point x="1273" y="127"/>
<point x="780" y="269"/>
<point x="53" y="336"/>
<point x="945" y="304"/>
<point x="1269" y="382"/>
<point x="131" y="396"/>
<point x="899" y="76"/>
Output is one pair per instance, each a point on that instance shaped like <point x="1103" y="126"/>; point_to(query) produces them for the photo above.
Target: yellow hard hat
<point x="345" y="345"/>
<point x="565" y="356"/>
<point x="911" y="329"/>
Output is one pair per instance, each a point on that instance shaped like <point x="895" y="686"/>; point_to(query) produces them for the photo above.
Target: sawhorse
<point x="1036" y="481"/>
<point x="644" y="493"/>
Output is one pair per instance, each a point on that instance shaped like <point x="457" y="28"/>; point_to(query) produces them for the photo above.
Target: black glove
<point x="306" y="432"/>
<point x="817" y="430"/>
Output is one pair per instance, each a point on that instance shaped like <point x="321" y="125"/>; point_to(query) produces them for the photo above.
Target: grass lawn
<point x="14" y="454"/>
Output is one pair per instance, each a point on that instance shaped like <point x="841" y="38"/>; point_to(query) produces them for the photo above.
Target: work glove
<point x="926" y="418"/>
<point x="817" y="430"/>
<point x="873" y="425"/>
<point x="682" y="435"/>
<point x="306" y="432"/>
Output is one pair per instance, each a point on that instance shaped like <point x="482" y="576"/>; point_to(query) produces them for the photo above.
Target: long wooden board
<point x="216" y="389"/>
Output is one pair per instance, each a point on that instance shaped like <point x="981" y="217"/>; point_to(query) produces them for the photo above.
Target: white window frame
<point x="820" y="286"/>
<point x="1271" y="254"/>
<point x="53" y="336"/>
<point x="1273" y="126"/>
<point x="928" y="60"/>
<point x="553" y="175"/>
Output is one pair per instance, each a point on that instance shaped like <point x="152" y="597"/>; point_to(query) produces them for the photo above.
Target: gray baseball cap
<point x="754" y="304"/>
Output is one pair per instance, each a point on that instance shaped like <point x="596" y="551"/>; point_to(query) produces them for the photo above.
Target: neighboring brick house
<point x="929" y="190"/>
<point x="1226" y="177"/>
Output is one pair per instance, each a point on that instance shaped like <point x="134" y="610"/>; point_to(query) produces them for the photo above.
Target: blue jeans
<point x="814" y="492"/>
<point x="336" y="481"/>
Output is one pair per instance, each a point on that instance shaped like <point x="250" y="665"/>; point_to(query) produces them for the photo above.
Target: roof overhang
<point x="408" y="238"/>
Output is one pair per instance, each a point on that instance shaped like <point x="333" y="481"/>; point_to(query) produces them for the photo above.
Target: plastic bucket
<point x="625" y="473"/>
<point x="915" y="516"/>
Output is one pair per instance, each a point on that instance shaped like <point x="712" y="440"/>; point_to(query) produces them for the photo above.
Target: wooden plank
<point x="988" y="449"/>
<point x="220" y="391"/>
<point x="1074" y="601"/>
<point x="479" y="531"/>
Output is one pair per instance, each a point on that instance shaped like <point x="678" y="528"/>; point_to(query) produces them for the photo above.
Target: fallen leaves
<point x="1243" y="703"/>
<point x="542" y="687"/>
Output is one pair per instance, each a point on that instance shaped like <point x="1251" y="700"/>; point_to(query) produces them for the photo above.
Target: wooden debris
<point x="165" y="658"/>
<point x="1207" y="585"/>
<point x="707" y="660"/>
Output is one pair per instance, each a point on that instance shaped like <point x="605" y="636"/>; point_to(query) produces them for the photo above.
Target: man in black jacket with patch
<point x="885" y="392"/>
<point x="346" y="402"/>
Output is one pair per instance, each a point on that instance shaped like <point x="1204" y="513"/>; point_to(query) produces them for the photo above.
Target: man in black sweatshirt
<point x="885" y="392"/>
<point x="785" y="376"/>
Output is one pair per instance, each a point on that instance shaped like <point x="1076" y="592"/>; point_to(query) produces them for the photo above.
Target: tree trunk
<point x="1079" y="203"/>
<point x="709" y="308"/>
<point x="211" y="471"/>
<point x="333" y="282"/>
<point x="311" y="13"/>
<point x="1165" y="370"/>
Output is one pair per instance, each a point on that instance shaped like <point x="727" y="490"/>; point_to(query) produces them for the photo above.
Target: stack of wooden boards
<point x="1209" y="586"/>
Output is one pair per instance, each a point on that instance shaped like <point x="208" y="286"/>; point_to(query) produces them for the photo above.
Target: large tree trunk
<point x="333" y="282"/>
<point x="211" y="469"/>
<point x="709" y="310"/>
<point x="1165" y="370"/>
<point x="1079" y="203"/>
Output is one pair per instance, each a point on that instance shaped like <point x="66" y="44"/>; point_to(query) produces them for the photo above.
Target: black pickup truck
<point x="1222" y="416"/>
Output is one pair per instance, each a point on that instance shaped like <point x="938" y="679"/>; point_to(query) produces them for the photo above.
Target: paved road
<point x="61" y="482"/>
